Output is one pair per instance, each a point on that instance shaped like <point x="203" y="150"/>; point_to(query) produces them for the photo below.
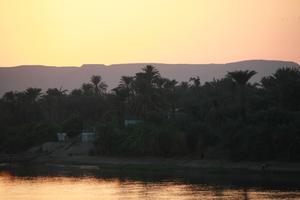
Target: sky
<point x="74" y="32"/>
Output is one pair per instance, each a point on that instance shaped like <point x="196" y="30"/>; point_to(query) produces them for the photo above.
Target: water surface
<point x="88" y="183"/>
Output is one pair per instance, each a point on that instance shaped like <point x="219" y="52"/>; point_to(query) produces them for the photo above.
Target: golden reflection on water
<point x="89" y="188"/>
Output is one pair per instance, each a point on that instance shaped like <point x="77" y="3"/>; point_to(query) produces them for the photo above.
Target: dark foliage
<point x="229" y="118"/>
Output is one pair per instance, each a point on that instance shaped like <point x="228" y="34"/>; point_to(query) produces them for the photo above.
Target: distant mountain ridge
<point x="21" y="77"/>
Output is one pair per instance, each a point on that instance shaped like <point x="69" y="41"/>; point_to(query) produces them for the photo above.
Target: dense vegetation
<point x="229" y="118"/>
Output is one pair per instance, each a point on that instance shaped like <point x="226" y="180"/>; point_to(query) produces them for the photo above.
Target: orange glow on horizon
<point x="68" y="32"/>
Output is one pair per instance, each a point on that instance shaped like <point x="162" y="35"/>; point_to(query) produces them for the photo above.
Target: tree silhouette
<point x="284" y="86"/>
<point x="99" y="85"/>
<point x="176" y="119"/>
<point x="88" y="88"/>
<point x="123" y="93"/>
<point x="32" y="94"/>
<point x="146" y="97"/>
<point x="241" y="78"/>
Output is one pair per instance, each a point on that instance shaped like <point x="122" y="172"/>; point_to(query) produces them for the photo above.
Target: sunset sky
<point x="73" y="32"/>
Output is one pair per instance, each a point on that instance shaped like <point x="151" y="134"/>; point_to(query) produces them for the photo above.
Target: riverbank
<point x="150" y="163"/>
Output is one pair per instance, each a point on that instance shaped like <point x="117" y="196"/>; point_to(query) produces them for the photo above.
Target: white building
<point x="87" y="136"/>
<point x="62" y="137"/>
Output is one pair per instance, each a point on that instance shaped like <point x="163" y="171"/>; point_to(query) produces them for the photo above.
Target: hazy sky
<point x="73" y="32"/>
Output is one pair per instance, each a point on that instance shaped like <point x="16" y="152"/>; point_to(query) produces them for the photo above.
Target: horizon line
<point x="143" y="63"/>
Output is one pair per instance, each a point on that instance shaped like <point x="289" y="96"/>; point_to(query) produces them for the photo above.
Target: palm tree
<point x="123" y="93"/>
<point x="283" y="86"/>
<point x="125" y="88"/>
<point x="99" y="85"/>
<point x="241" y="78"/>
<point x="9" y="97"/>
<point x="52" y="102"/>
<point x="196" y="83"/>
<point x="54" y="92"/>
<point x="76" y="92"/>
<point x="184" y="85"/>
<point x="87" y="88"/>
<point x="151" y="73"/>
<point x="126" y="82"/>
<point x="32" y="94"/>
<point x="96" y="80"/>
<point x="145" y="88"/>
<point x="169" y="94"/>
<point x="31" y="108"/>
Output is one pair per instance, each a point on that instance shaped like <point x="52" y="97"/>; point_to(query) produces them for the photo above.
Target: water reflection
<point x="51" y="183"/>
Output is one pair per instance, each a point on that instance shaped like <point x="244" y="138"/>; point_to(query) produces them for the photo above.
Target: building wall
<point x="88" y="136"/>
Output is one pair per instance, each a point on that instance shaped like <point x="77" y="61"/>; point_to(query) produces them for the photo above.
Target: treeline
<point x="228" y="118"/>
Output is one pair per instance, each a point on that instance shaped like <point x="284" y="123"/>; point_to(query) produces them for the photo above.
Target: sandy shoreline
<point x="164" y="163"/>
<point x="169" y="163"/>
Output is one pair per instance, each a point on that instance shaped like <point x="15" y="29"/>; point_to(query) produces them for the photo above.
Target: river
<point x="58" y="182"/>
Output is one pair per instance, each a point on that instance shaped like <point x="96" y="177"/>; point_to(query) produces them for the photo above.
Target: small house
<point x="62" y="137"/>
<point x="86" y="136"/>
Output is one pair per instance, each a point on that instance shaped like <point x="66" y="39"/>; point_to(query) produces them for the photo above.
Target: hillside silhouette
<point x="21" y="77"/>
